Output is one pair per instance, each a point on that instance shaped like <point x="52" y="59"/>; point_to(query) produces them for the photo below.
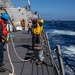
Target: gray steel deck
<point x="23" y="44"/>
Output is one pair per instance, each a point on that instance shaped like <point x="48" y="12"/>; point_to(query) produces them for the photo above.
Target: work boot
<point x="38" y="63"/>
<point x="1" y="64"/>
<point x="2" y="69"/>
<point x="4" y="49"/>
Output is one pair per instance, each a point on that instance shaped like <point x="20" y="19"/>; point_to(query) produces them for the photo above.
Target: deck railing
<point x="48" y="51"/>
<point x="59" y="70"/>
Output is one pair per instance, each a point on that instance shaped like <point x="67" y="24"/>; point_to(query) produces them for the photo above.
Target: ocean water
<point x="62" y="33"/>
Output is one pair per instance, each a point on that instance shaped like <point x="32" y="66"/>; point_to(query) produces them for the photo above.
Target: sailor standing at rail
<point x="3" y="34"/>
<point x="37" y="31"/>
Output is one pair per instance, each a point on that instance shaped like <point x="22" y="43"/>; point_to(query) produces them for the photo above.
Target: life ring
<point x="23" y="23"/>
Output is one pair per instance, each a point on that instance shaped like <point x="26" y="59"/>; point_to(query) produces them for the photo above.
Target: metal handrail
<point x="66" y="61"/>
<point x="60" y="61"/>
<point x="60" y="56"/>
<point x="49" y="49"/>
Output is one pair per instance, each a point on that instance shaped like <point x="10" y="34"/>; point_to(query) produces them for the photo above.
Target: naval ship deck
<point x="23" y="45"/>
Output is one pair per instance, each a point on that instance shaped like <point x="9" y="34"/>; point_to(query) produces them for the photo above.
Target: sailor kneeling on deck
<point x="36" y="41"/>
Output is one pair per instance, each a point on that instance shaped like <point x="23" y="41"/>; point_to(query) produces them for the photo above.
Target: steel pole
<point x="60" y="60"/>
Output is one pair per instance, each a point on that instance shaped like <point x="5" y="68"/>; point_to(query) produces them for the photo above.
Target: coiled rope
<point x="16" y="51"/>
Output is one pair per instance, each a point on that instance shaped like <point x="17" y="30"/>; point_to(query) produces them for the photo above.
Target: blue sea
<point x="62" y="33"/>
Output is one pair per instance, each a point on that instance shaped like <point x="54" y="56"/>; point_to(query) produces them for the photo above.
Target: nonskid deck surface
<point x="23" y="45"/>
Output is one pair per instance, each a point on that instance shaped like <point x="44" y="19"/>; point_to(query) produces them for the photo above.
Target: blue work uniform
<point x="1" y="46"/>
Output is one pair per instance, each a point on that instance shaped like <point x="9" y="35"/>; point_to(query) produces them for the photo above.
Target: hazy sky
<point x="51" y="9"/>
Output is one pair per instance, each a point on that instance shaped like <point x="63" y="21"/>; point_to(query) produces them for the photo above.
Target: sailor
<point x="30" y="26"/>
<point x="34" y="29"/>
<point x="37" y="31"/>
<point x="3" y="34"/>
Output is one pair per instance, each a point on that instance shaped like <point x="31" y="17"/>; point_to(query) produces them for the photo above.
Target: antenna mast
<point x="29" y="4"/>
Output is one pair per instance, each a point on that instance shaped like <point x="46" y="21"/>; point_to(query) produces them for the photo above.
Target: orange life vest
<point x="4" y="29"/>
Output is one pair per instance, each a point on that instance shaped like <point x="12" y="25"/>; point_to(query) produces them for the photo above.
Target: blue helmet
<point x="5" y="16"/>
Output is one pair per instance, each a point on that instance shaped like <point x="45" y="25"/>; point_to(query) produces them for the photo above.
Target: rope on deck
<point x="10" y="58"/>
<point x="16" y="51"/>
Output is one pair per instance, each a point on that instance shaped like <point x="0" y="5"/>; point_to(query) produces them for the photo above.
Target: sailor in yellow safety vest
<point x="37" y="31"/>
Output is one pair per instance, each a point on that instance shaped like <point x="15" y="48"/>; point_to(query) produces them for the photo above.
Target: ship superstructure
<point x="5" y="3"/>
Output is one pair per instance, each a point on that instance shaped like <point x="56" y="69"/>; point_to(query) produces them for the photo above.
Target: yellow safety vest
<point x="37" y="30"/>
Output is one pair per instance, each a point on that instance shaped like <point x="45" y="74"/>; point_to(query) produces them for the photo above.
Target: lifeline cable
<point x="16" y="52"/>
<point x="66" y="62"/>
